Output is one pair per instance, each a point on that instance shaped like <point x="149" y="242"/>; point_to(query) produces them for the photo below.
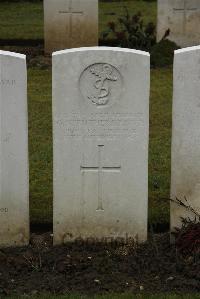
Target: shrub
<point x="162" y="53"/>
<point x="131" y="32"/>
<point x="187" y="237"/>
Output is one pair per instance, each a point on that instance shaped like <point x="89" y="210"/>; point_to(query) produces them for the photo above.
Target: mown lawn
<point x="117" y="296"/>
<point x="24" y="20"/>
<point x="160" y="145"/>
<point x="40" y="145"/>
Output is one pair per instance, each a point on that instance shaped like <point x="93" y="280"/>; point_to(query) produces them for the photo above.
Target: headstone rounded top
<point x="188" y="49"/>
<point x="115" y="49"/>
<point x="13" y="54"/>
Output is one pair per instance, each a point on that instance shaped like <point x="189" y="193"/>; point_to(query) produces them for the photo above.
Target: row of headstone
<point x="100" y="137"/>
<point x="74" y="23"/>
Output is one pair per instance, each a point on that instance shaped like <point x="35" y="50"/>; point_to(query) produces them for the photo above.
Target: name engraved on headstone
<point x="111" y="125"/>
<point x="9" y="82"/>
<point x="3" y="210"/>
<point x="101" y="84"/>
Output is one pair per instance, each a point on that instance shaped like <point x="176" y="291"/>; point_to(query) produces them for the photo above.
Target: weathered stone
<point x="70" y="24"/>
<point x="182" y="18"/>
<point x="185" y="173"/>
<point x="100" y="116"/>
<point x="14" y="182"/>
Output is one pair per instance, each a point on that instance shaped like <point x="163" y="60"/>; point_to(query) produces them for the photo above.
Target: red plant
<point x="188" y="238"/>
<point x="121" y="35"/>
<point x="111" y="25"/>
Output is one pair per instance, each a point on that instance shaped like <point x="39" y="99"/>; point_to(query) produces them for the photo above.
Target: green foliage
<point x="160" y="145"/>
<point x="40" y="145"/>
<point x="111" y="11"/>
<point x="150" y="0"/>
<point x="162" y="54"/>
<point x="15" y="25"/>
<point x="132" y="32"/>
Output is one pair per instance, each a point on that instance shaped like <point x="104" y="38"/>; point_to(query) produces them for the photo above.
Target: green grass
<point x="160" y="145"/>
<point x="116" y="296"/>
<point x="40" y="145"/>
<point x="24" y="20"/>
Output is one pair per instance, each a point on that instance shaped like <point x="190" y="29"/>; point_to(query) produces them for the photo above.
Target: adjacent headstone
<point x="70" y="24"/>
<point x="182" y="18"/>
<point x="101" y="119"/>
<point x="14" y="182"/>
<point x="185" y="173"/>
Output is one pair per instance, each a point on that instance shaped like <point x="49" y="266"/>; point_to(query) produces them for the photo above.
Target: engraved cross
<point x="100" y="170"/>
<point x="71" y="14"/>
<point x="184" y="10"/>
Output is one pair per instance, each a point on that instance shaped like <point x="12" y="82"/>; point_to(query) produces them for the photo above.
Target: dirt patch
<point x="86" y="268"/>
<point x="35" y="55"/>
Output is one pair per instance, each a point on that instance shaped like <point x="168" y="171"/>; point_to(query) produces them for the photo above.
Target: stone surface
<point x="14" y="182"/>
<point x="182" y="17"/>
<point x="185" y="172"/>
<point x="70" y="24"/>
<point x="100" y="116"/>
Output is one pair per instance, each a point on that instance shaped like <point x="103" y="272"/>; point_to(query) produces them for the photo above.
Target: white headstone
<point x="182" y="17"/>
<point x="185" y="176"/>
<point x="70" y="24"/>
<point x="101" y="119"/>
<point x="14" y="182"/>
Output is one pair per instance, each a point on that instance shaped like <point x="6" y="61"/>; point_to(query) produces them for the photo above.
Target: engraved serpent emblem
<point x="100" y="84"/>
